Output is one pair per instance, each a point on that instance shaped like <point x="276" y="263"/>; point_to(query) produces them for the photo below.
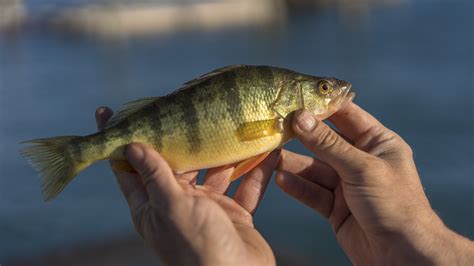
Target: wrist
<point x="430" y="242"/>
<point x="457" y="249"/>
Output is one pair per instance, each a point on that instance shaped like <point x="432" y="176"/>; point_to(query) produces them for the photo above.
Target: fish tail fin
<point x="55" y="161"/>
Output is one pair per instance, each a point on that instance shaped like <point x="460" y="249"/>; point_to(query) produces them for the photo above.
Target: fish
<point x="235" y="114"/>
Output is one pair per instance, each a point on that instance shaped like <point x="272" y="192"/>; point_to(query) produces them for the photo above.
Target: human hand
<point x="190" y="224"/>
<point x="366" y="183"/>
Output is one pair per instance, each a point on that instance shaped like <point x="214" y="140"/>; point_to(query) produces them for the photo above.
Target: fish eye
<point x="324" y="87"/>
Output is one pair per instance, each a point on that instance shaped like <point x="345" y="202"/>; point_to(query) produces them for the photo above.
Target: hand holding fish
<point x="189" y="224"/>
<point x="366" y="184"/>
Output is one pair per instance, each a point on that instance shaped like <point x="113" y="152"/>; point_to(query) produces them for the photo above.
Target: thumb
<point x="159" y="180"/>
<point x="328" y="145"/>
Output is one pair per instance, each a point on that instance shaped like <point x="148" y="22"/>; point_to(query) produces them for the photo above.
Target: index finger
<point x="353" y="121"/>
<point x="253" y="186"/>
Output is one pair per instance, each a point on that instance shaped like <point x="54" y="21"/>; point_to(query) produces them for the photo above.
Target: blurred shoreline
<point x="130" y="20"/>
<point x="112" y="20"/>
<point x="12" y="15"/>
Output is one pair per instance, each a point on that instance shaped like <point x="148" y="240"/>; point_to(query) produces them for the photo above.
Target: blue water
<point x="411" y="66"/>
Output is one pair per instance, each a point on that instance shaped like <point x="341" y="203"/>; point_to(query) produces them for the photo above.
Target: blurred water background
<point x="410" y="62"/>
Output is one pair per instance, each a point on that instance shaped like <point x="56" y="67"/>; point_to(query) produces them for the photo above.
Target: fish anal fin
<point x="245" y="166"/>
<point x="129" y="109"/>
<point x="259" y="129"/>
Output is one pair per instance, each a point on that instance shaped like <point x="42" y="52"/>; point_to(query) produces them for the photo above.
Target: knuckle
<point x="140" y="218"/>
<point x="246" y="217"/>
<point x="406" y="148"/>
<point x="255" y="184"/>
<point x="393" y="136"/>
<point x="149" y="172"/>
<point x="325" y="138"/>
<point x="399" y="144"/>
<point x="148" y="167"/>
<point x="383" y="142"/>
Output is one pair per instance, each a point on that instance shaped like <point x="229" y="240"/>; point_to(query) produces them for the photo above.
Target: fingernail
<point x="280" y="178"/>
<point x="133" y="150"/>
<point x="305" y="121"/>
<point x="101" y="110"/>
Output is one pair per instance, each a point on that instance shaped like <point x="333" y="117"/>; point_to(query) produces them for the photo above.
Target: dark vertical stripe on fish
<point x="91" y="142"/>
<point x="77" y="145"/>
<point x="124" y="129"/>
<point x="157" y="127"/>
<point x="98" y="139"/>
<point x="266" y="75"/>
<point x="232" y="96"/>
<point x="191" y="121"/>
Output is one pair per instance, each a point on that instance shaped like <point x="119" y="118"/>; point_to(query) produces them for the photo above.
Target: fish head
<point x="323" y="96"/>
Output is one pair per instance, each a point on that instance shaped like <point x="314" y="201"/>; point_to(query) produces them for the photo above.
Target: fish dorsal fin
<point x="129" y="109"/>
<point x="209" y="75"/>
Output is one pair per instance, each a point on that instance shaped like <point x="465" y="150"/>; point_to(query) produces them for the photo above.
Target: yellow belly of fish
<point x="219" y="152"/>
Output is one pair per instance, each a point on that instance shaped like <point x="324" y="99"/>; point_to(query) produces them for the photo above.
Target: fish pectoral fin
<point x="245" y="166"/>
<point x="122" y="166"/>
<point x="259" y="129"/>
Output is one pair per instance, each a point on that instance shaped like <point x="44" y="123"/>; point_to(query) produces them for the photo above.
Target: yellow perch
<point x="230" y="115"/>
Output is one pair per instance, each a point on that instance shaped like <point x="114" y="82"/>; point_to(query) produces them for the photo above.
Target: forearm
<point x="435" y="244"/>
<point x="457" y="249"/>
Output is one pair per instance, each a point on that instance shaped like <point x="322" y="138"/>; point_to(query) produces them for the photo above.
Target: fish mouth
<point x="345" y="97"/>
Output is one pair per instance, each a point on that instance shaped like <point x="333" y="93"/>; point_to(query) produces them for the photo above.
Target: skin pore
<point x="364" y="181"/>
